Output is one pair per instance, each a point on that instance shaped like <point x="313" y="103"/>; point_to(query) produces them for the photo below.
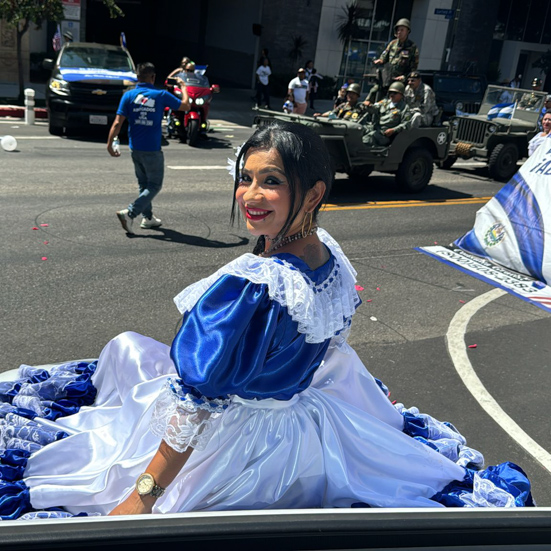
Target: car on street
<point x="499" y="133"/>
<point x="86" y="85"/>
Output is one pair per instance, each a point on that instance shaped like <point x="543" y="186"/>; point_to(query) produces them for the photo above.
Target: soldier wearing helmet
<point x="530" y="100"/>
<point x="351" y="110"/>
<point x="389" y="116"/>
<point x="401" y="57"/>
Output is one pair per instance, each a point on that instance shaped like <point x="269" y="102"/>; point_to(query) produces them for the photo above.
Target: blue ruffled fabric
<point x="46" y="394"/>
<point x="507" y="482"/>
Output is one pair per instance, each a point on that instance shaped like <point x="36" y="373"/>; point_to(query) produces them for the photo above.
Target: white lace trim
<point x="183" y="420"/>
<point x="321" y="310"/>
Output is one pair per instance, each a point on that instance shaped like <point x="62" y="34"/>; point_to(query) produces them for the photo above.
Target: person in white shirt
<point x="540" y="137"/>
<point x="298" y="87"/>
<point x="263" y="83"/>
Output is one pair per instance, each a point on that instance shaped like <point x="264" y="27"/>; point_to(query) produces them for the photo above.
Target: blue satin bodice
<point x="236" y="340"/>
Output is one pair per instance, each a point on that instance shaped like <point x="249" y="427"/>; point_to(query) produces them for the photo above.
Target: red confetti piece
<point x="378" y="288"/>
<point x="46" y="242"/>
<point x="472" y="345"/>
<point x="44" y="225"/>
<point x="358" y="288"/>
<point x="369" y="300"/>
<point x="394" y="402"/>
<point x="462" y="301"/>
<point x="44" y="258"/>
<point x="436" y="242"/>
<point x="35" y="228"/>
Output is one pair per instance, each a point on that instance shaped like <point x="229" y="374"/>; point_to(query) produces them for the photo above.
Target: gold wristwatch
<point x="146" y="486"/>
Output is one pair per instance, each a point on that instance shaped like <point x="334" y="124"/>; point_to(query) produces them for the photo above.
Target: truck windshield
<point x="94" y="58"/>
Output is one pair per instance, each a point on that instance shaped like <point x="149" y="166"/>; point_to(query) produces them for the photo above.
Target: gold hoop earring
<point x="306" y="232"/>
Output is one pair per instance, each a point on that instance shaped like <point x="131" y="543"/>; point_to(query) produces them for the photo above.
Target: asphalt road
<point x="78" y="280"/>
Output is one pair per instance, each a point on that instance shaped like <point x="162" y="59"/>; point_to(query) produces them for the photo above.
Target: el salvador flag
<point x="501" y="110"/>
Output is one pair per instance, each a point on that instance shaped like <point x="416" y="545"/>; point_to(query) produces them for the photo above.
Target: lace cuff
<point x="182" y="420"/>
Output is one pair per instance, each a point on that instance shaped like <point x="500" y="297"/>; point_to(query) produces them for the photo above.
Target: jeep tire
<point x="502" y="163"/>
<point x="415" y="170"/>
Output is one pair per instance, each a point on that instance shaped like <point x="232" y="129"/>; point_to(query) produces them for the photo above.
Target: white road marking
<point x="458" y="352"/>
<point x="205" y="167"/>
<point x="19" y="138"/>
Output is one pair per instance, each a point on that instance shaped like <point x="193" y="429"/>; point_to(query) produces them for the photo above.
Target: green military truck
<point x="410" y="156"/>
<point x="499" y="133"/>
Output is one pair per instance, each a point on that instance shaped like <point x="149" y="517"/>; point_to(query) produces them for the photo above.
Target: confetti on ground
<point x="462" y="301"/>
<point x="472" y="345"/>
<point x="369" y="300"/>
<point x="44" y="225"/>
<point x="383" y="267"/>
<point x="35" y="228"/>
<point x="358" y="288"/>
<point x="373" y="318"/>
<point x="436" y="242"/>
<point x="44" y="258"/>
<point x="46" y="242"/>
<point x="378" y="288"/>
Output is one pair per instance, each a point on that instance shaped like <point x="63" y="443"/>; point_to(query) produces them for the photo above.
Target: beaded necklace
<point x="287" y="240"/>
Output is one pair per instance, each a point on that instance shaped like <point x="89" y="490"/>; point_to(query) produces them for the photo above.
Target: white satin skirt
<point x="337" y="444"/>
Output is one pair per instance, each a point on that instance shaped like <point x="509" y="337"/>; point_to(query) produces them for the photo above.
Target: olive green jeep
<point x="410" y="156"/>
<point x="499" y="134"/>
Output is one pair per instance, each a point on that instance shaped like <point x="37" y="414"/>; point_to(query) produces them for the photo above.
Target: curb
<point x="19" y="112"/>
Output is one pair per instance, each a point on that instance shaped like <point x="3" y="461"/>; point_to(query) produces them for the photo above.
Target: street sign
<point x="447" y="13"/>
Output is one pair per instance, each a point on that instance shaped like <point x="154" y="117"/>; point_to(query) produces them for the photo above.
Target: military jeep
<point x="410" y="156"/>
<point x="499" y="134"/>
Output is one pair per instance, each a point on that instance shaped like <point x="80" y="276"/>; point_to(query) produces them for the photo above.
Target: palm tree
<point x="348" y="28"/>
<point x="295" y="53"/>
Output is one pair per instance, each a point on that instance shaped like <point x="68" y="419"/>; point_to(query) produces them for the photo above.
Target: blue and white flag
<point x="123" y="40"/>
<point x="502" y="111"/>
<point x="510" y="243"/>
<point x="56" y="40"/>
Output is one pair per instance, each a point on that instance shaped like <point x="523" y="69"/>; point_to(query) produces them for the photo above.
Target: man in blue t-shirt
<point x="143" y="107"/>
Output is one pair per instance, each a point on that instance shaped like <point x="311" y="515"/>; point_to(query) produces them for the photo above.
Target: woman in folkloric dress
<point x="259" y="402"/>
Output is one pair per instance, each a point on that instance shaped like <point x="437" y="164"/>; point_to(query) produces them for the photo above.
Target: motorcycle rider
<point x="181" y="68"/>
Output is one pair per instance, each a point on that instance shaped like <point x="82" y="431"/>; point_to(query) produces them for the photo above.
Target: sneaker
<point x="125" y="220"/>
<point x="152" y="222"/>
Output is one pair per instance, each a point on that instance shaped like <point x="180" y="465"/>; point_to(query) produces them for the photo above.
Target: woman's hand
<point x="134" y="504"/>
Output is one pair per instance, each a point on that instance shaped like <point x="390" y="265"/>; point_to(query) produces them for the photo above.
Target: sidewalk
<point x="8" y="100"/>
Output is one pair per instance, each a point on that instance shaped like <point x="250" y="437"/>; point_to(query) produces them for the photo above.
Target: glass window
<point x="502" y="19"/>
<point x="517" y="19"/>
<point x="546" y="38"/>
<point x="96" y="58"/>
<point x="536" y="20"/>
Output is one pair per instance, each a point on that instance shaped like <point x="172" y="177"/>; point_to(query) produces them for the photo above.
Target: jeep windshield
<point x="521" y="100"/>
<point x="95" y="58"/>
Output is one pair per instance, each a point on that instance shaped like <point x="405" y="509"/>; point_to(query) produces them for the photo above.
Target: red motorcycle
<point x="189" y="125"/>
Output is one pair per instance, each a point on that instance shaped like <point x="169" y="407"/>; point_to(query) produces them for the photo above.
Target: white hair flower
<point x="231" y="167"/>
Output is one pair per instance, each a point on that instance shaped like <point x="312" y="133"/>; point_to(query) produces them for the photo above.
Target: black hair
<point x="145" y="70"/>
<point x="305" y="161"/>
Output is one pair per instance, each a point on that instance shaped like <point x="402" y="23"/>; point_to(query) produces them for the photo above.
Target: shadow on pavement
<point x="173" y="236"/>
<point x="383" y="188"/>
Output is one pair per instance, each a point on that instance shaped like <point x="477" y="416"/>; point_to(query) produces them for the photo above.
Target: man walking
<point x="298" y="88"/>
<point x="143" y="107"/>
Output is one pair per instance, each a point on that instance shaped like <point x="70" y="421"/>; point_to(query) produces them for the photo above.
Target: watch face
<point x="145" y="484"/>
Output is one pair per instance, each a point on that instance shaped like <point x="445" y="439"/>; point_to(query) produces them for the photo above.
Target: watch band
<point x="154" y="489"/>
<point x="157" y="491"/>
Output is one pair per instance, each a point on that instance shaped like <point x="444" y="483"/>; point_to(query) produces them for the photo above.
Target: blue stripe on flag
<point x="470" y="243"/>
<point x="521" y="206"/>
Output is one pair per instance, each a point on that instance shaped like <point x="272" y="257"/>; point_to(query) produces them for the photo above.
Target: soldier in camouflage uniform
<point x="421" y="100"/>
<point x="390" y="116"/>
<point x="401" y="57"/>
<point x="352" y="110"/>
<point x="530" y="100"/>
